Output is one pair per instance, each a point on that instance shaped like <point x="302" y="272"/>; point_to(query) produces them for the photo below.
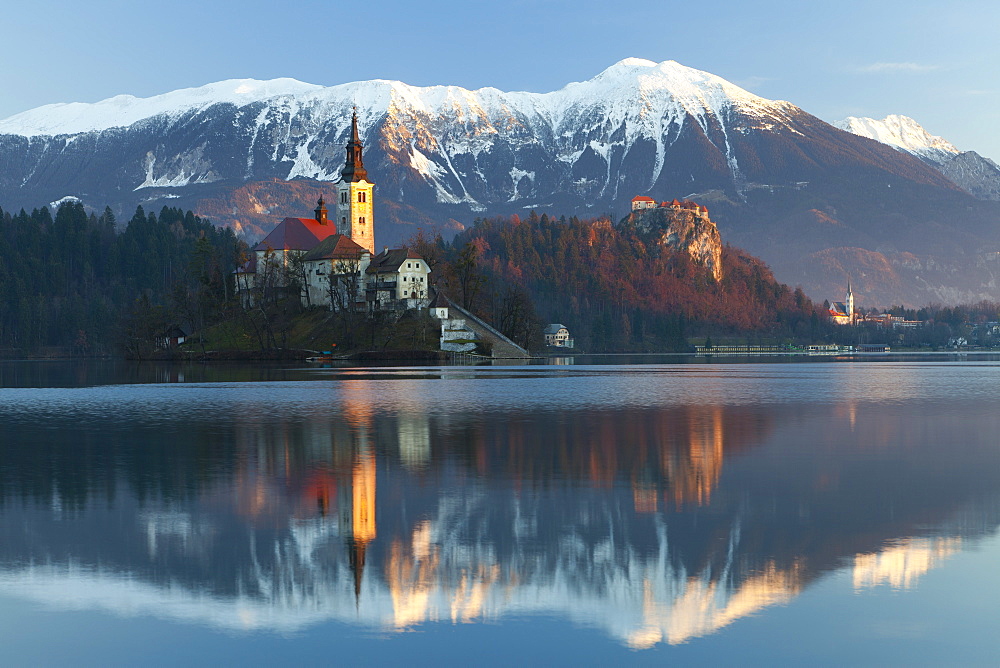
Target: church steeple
<point x="354" y="169"/>
<point x="321" y="212"/>
<point x="355" y="211"/>
<point x="850" y="300"/>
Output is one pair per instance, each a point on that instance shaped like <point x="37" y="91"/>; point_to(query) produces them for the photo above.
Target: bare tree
<point x="344" y="284"/>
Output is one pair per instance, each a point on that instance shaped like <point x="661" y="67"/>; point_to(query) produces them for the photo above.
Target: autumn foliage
<point x="616" y="290"/>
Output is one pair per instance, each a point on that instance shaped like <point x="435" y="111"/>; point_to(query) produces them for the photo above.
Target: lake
<point x="768" y="512"/>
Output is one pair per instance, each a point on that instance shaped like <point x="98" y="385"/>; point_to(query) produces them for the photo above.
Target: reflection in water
<point x="658" y="524"/>
<point x="901" y="565"/>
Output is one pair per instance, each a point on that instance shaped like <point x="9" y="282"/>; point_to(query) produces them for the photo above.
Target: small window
<point x="343" y="221"/>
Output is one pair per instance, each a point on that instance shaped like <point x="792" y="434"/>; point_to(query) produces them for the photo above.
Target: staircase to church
<point x="503" y="348"/>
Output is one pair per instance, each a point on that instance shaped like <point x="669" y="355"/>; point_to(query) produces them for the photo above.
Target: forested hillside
<point x="618" y="290"/>
<point x="75" y="279"/>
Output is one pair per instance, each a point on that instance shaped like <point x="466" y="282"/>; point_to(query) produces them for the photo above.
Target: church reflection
<point x="656" y="525"/>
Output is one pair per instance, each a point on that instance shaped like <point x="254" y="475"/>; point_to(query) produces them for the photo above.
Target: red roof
<point x="642" y="198"/>
<point x="336" y="247"/>
<point x="296" y="234"/>
<point x="391" y="260"/>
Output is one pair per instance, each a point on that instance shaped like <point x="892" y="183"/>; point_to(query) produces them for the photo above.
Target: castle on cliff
<point x="641" y="203"/>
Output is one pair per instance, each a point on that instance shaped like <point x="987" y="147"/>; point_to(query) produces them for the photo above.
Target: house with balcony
<point x="397" y="279"/>
<point x="557" y="335"/>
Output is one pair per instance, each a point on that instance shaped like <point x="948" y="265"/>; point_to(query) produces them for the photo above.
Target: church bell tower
<point x="354" y="195"/>
<point x="849" y="303"/>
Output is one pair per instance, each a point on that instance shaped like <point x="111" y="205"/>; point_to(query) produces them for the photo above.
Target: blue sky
<point x="937" y="62"/>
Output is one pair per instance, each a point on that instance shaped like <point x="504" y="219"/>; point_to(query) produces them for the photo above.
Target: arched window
<point x="343" y="221"/>
<point x="343" y="197"/>
<point x="361" y="220"/>
<point x="361" y="197"/>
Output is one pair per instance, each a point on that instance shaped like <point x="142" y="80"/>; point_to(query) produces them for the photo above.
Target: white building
<point x="272" y="263"/>
<point x="842" y="313"/>
<point x="334" y="273"/>
<point x="642" y="202"/>
<point x="397" y="278"/>
<point x="456" y="335"/>
<point x="557" y="335"/>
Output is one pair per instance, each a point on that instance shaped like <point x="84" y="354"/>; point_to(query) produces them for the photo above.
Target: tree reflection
<point x="656" y="524"/>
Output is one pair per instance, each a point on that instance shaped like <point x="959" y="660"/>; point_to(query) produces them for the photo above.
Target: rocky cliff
<point x="684" y="230"/>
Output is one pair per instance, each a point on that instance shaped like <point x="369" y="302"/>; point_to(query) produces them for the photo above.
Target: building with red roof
<point x="641" y="202"/>
<point x="333" y="273"/>
<point x="842" y="313"/>
<point x="329" y="258"/>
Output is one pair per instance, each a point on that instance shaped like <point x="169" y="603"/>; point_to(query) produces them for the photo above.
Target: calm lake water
<point x="729" y="513"/>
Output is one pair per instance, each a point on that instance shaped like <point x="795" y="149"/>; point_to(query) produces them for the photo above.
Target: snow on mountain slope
<point x="444" y="154"/>
<point x="664" y="85"/>
<point x="125" y="110"/>
<point x="977" y="175"/>
<point x="901" y="132"/>
<point x="438" y="132"/>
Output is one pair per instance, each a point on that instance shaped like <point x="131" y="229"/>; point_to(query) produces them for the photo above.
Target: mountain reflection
<point x="656" y="524"/>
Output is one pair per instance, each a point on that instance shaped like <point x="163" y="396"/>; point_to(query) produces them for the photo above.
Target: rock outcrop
<point x="683" y="230"/>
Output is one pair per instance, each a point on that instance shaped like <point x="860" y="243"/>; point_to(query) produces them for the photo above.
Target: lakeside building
<point x="886" y="320"/>
<point x="463" y="332"/>
<point x="558" y="335"/>
<point x="842" y="313"/>
<point x="397" y="277"/>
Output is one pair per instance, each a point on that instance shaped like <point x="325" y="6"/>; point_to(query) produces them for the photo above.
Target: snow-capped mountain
<point x="977" y="175"/>
<point x="637" y="127"/>
<point x="247" y="152"/>
<point x="901" y="132"/>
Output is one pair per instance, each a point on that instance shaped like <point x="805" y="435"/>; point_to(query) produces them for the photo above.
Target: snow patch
<point x="515" y="176"/>
<point x="68" y="199"/>
<point x="181" y="170"/>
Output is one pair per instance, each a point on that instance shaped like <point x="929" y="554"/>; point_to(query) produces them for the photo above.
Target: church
<point x="334" y="261"/>
<point x="842" y="313"/>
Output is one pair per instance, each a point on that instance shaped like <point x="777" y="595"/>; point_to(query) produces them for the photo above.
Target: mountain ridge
<point x="976" y="174"/>
<point x="448" y="154"/>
